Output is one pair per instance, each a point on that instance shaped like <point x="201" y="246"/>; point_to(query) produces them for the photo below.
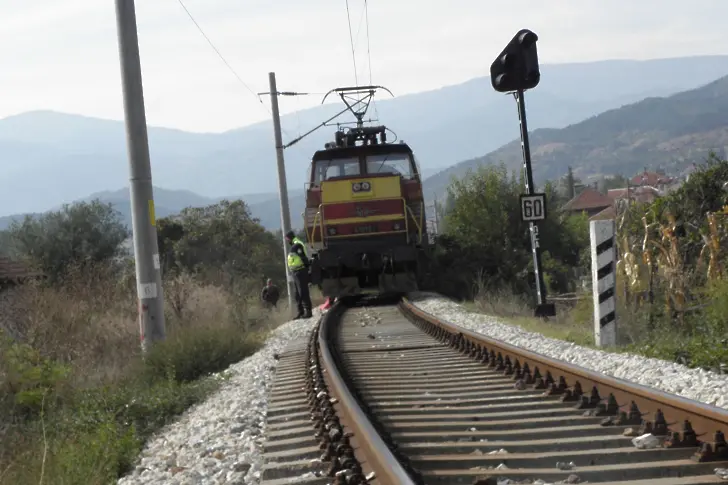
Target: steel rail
<point x="385" y="465"/>
<point x="684" y="421"/>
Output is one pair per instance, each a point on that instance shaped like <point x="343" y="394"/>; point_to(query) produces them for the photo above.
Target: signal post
<point x="514" y="71"/>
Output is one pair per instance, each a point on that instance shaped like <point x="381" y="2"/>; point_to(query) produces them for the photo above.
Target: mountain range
<point x="667" y="132"/>
<point x="601" y="117"/>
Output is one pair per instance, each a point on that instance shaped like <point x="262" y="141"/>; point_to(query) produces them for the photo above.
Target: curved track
<point x="414" y="400"/>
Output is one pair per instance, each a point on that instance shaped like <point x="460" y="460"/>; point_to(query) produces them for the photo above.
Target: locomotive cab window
<point x="392" y="163"/>
<point x="338" y="167"/>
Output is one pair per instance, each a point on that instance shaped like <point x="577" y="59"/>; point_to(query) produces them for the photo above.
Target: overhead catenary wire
<point x="279" y="93"/>
<point x="351" y="41"/>
<point x="229" y="66"/>
<point x="234" y="72"/>
<point x="369" y="55"/>
<point x="358" y="29"/>
<point x="369" y="50"/>
<point x="219" y="54"/>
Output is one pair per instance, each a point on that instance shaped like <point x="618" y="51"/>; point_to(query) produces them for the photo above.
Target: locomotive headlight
<point x="332" y="231"/>
<point x="356" y="187"/>
<point x="397" y="226"/>
<point x="365" y="186"/>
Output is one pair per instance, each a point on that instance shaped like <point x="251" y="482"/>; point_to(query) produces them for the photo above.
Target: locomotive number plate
<point x="366" y="229"/>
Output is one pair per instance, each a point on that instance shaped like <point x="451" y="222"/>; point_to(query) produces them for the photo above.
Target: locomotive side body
<point x="365" y="219"/>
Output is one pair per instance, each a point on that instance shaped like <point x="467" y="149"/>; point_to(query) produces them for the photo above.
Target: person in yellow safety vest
<point x="298" y="265"/>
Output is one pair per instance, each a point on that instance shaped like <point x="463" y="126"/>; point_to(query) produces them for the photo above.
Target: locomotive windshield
<point x="394" y="163"/>
<point x="337" y="167"/>
<point x="390" y="163"/>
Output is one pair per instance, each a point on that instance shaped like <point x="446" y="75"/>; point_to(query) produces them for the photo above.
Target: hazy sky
<point x="62" y="54"/>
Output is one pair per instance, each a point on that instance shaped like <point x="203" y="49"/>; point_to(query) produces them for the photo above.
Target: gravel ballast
<point x="220" y="440"/>
<point x="697" y="384"/>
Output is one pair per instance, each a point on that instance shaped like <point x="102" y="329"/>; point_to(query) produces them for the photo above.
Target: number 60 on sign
<point x="533" y="207"/>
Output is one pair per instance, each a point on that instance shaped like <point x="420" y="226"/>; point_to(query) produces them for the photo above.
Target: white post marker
<point x="604" y="257"/>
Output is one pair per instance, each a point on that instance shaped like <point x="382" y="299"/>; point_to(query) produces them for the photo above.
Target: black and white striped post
<point x="604" y="264"/>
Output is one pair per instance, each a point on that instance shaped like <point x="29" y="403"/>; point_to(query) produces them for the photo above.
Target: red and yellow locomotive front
<point x="365" y="218"/>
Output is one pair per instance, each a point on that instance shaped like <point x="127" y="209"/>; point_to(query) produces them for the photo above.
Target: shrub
<point x="189" y="355"/>
<point x="74" y="389"/>
<point x="27" y="378"/>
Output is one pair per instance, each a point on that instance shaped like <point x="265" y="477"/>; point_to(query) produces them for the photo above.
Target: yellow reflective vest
<point x="303" y="245"/>
<point x="295" y="262"/>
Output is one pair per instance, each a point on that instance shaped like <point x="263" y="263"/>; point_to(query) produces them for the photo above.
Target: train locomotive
<point x="365" y="214"/>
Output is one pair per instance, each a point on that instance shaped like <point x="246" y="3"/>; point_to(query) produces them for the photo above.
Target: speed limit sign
<point x="533" y="207"/>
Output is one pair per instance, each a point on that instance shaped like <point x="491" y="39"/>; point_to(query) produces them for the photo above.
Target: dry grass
<point x="572" y="322"/>
<point x="82" y="362"/>
<point x="91" y="320"/>
<point x="698" y="339"/>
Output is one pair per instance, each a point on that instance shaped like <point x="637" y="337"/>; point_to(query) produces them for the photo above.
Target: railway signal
<point x="516" y="68"/>
<point x="514" y="71"/>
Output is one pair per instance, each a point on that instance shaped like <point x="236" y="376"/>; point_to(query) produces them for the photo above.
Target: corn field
<point x="656" y="260"/>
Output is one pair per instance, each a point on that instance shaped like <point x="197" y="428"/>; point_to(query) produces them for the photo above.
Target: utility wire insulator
<point x="286" y="93"/>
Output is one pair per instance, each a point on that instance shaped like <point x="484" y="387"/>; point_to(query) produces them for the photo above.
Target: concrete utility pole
<point x="282" y="185"/>
<point x="146" y="251"/>
<point x="437" y="224"/>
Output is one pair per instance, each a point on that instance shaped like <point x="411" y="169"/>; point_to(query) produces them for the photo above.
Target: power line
<point x="369" y="52"/>
<point x="240" y="79"/>
<point x="220" y="55"/>
<point x="369" y="55"/>
<point x="358" y="29"/>
<point x="351" y="41"/>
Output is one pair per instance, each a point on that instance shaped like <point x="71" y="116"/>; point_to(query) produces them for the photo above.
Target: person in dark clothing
<point x="298" y="265"/>
<point x="270" y="294"/>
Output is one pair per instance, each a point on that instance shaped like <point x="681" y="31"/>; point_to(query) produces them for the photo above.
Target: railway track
<point x="387" y="394"/>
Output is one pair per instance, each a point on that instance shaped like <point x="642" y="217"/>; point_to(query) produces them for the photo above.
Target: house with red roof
<point x="653" y="179"/>
<point x="608" y="213"/>
<point x="588" y="200"/>
<point x="644" y="193"/>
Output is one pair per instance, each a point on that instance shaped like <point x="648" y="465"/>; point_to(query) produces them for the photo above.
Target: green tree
<point x="614" y="182"/>
<point x="78" y="235"/>
<point x="442" y="209"/>
<point x="701" y="193"/>
<point x="567" y="185"/>
<point x="223" y="239"/>
<point x="5" y="244"/>
<point x="486" y="237"/>
<point x="570" y="181"/>
<point x="169" y="231"/>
